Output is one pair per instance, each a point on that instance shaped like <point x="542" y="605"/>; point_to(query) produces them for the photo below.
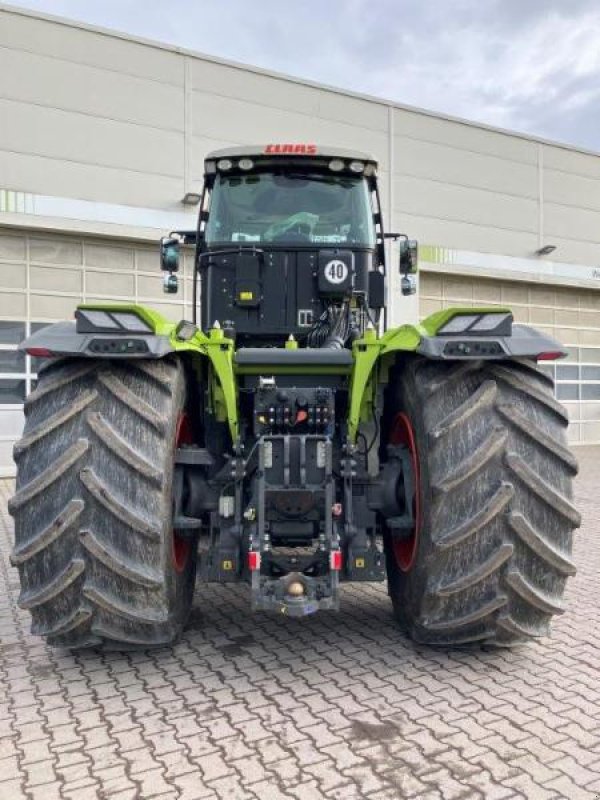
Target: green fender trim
<point x="370" y="351"/>
<point x="366" y="352"/>
<point x="158" y="323"/>
<point x="216" y="347"/>
<point x="219" y="350"/>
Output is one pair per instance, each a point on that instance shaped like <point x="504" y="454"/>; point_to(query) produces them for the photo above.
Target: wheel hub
<point x="182" y="547"/>
<point x="405" y="546"/>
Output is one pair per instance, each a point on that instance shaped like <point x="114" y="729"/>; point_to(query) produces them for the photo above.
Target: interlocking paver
<point x="340" y="706"/>
<point x="266" y="790"/>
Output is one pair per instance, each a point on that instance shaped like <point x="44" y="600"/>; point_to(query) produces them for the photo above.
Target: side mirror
<point x="169" y="254"/>
<point x="170" y="283"/>
<point x="409" y="256"/>
<point x="408" y="285"/>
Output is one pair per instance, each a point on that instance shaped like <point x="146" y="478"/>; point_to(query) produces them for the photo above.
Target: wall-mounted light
<point x="546" y="250"/>
<point x="191" y="199"/>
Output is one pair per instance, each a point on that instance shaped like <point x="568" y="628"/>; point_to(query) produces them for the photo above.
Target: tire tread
<point x="495" y="549"/>
<point x="93" y="473"/>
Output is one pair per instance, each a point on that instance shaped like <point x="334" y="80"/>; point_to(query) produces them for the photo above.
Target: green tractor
<point x="288" y="439"/>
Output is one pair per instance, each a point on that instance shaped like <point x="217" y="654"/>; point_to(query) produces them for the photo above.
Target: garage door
<point x="42" y="278"/>
<point x="570" y="315"/>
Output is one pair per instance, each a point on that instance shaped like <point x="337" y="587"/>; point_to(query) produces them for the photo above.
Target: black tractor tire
<point x="99" y="562"/>
<point x="490" y="559"/>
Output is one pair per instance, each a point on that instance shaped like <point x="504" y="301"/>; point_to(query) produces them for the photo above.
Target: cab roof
<point x="287" y="149"/>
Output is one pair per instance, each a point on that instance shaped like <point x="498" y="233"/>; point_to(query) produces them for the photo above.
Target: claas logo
<point x="291" y="149"/>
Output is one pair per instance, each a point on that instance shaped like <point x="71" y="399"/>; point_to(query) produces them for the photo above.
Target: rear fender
<point x="480" y="333"/>
<point x="63" y="339"/>
<point x="135" y="332"/>
<point x="452" y="334"/>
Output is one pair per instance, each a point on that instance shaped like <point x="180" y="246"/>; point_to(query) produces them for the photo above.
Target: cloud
<point x="527" y="65"/>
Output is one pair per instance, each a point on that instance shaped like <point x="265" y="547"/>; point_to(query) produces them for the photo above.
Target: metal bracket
<point x="384" y="492"/>
<point x="182" y="523"/>
<point x="194" y="457"/>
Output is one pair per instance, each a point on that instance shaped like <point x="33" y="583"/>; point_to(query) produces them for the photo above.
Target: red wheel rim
<point x="405" y="550"/>
<point x="181" y="547"/>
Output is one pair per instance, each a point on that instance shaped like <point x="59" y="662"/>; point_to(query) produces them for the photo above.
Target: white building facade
<point x="102" y="135"/>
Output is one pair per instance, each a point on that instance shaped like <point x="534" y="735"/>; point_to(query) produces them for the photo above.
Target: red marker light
<point x="253" y="561"/>
<point x="551" y="356"/>
<point x="335" y="560"/>
<point x="302" y="416"/>
<point x="40" y="352"/>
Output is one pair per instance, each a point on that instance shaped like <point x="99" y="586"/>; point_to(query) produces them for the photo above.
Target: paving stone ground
<point x="334" y="706"/>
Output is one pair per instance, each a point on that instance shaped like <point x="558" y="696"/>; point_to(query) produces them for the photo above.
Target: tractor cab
<point x="290" y="242"/>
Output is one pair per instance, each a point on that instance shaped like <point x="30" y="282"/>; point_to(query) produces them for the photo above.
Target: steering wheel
<point x="298" y="233"/>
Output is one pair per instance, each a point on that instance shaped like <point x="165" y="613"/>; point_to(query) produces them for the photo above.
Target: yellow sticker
<point x="359" y="563"/>
<point x="228" y="565"/>
<point x="246" y="296"/>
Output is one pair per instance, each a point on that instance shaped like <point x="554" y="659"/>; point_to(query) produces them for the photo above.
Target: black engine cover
<point x="267" y="297"/>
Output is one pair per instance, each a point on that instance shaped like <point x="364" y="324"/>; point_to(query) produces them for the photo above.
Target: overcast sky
<point x="527" y="65"/>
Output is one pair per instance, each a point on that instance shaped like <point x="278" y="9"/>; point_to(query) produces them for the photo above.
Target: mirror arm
<point x="395" y="236"/>
<point x="184" y="237"/>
